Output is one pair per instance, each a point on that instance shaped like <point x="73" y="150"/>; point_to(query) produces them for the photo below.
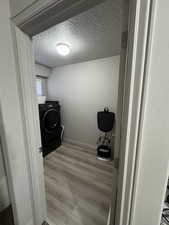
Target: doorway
<point x="29" y="95"/>
<point x="102" y="56"/>
<point x="71" y="90"/>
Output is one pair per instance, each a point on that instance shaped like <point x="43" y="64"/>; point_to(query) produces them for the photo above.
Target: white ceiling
<point x="92" y="34"/>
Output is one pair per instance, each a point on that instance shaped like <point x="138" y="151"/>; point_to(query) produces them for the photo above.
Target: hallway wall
<point x="11" y="116"/>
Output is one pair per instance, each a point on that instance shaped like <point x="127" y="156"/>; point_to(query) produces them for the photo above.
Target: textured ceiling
<point x="92" y="34"/>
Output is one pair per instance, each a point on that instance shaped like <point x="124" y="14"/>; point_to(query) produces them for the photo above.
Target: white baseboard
<point x="80" y="144"/>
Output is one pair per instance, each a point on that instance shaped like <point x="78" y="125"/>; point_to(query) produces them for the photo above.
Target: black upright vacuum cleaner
<point x="105" y="121"/>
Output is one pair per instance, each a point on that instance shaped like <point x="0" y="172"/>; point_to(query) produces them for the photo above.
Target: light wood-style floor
<point x="78" y="186"/>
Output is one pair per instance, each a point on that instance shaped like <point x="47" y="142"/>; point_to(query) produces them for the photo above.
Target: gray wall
<point x="83" y="89"/>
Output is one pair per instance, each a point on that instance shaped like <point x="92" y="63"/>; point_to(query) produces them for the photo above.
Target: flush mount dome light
<point x="63" y="49"/>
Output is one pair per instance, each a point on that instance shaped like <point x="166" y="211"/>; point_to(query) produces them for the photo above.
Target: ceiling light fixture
<point x="63" y="49"/>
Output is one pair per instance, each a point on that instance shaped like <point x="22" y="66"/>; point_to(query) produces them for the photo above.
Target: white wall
<point x="42" y="70"/>
<point x="83" y="89"/>
<point x="13" y="121"/>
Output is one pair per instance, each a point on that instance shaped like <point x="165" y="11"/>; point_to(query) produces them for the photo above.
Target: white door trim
<point x="152" y="168"/>
<point x="134" y="88"/>
<point x="26" y="80"/>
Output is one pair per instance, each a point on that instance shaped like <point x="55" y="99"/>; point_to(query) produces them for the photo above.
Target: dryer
<point x="50" y="125"/>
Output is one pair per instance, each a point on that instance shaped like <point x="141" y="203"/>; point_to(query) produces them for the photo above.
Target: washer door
<point x="51" y="120"/>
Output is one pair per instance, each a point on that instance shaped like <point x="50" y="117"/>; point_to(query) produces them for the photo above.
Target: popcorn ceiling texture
<point x="93" y="34"/>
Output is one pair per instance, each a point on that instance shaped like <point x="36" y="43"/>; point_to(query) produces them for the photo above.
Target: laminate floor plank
<point x="79" y="163"/>
<point x="82" y="175"/>
<point x="78" y="186"/>
<point x="77" y="154"/>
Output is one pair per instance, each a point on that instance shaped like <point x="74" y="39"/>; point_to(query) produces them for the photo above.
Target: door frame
<point x="136" y="56"/>
<point x="25" y="66"/>
<point x="140" y="14"/>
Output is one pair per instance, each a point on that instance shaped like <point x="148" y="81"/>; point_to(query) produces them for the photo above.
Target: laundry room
<point x="81" y="90"/>
<point x="77" y="81"/>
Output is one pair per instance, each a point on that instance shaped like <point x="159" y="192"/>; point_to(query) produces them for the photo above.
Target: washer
<point x="50" y="125"/>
